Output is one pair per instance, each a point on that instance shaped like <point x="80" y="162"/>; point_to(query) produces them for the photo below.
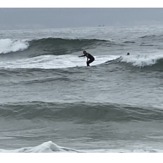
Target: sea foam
<point x="142" y="60"/>
<point x="53" y="62"/>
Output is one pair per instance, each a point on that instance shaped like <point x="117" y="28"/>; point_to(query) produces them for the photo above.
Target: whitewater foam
<point x="53" y="62"/>
<point x="142" y="60"/>
<point x="11" y="45"/>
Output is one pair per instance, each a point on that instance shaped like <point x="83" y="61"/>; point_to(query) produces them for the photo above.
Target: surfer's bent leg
<point x="87" y="63"/>
<point x="90" y="61"/>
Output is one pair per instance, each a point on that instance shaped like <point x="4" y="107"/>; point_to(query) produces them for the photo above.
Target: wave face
<point x="59" y="46"/>
<point x="78" y="111"/>
<point x="152" y="37"/>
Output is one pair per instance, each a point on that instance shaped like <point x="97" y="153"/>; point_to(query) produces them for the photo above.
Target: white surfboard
<point x="103" y="60"/>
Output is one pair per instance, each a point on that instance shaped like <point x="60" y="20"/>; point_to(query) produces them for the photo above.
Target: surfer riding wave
<point x="90" y="58"/>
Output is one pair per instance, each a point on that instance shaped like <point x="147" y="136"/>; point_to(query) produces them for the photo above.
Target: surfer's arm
<point x="82" y="56"/>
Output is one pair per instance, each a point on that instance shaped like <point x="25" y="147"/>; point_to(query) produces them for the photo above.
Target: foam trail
<point x="11" y="45"/>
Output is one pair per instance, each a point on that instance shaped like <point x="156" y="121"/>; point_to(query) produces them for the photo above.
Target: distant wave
<point x="151" y="39"/>
<point x="148" y="36"/>
<point x="83" y="112"/>
<point x="152" y="36"/>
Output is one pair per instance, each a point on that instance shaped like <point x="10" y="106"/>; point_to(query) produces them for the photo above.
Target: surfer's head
<point x="84" y="52"/>
<point x="128" y="53"/>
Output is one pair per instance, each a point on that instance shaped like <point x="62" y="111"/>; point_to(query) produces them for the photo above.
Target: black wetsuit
<point x="90" y="58"/>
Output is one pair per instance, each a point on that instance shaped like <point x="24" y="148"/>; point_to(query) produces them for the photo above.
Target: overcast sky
<point x="77" y="17"/>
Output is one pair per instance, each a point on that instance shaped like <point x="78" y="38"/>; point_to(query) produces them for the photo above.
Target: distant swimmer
<point x="128" y="53"/>
<point x="90" y="58"/>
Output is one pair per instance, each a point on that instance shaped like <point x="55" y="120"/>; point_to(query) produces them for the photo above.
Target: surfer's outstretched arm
<point x="82" y="56"/>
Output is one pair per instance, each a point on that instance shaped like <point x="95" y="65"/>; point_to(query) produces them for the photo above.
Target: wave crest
<point x="11" y="45"/>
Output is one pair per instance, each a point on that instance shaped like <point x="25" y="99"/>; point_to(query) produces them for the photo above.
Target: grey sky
<point x="75" y="17"/>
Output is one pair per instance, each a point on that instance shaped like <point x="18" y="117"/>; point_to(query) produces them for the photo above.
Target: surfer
<point x="90" y="58"/>
<point x="128" y="53"/>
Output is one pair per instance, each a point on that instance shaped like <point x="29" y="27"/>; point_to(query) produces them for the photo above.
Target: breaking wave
<point x="46" y="46"/>
<point x="144" y="61"/>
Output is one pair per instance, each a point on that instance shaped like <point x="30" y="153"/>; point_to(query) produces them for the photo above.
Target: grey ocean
<point x="51" y="102"/>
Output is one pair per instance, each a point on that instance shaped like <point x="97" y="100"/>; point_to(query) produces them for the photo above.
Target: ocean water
<point x="51" y="102"/>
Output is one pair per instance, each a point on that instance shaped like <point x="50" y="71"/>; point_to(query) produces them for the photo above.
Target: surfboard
<point x="103" y="60"/>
